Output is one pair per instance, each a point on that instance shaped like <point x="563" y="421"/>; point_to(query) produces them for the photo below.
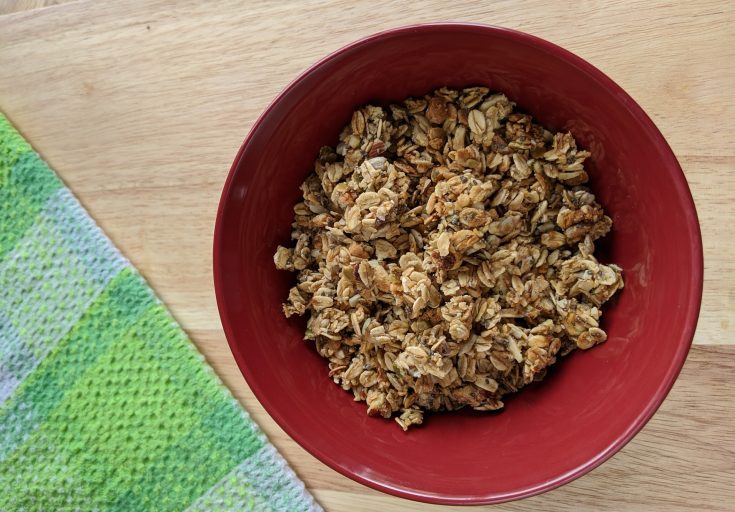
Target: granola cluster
<point x="444" y="254"/>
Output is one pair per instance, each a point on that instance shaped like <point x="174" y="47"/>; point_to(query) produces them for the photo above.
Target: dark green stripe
<point x="195" y="464"/>
<point x="24" y="194"/>
<point x="231" y="430"/>
<point x="12" y="145"/>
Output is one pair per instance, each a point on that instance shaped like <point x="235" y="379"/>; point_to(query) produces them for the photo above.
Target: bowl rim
<point x="691" y="314"/>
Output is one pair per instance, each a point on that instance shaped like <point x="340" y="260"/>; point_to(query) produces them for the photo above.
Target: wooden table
<point x="141" y="106"/>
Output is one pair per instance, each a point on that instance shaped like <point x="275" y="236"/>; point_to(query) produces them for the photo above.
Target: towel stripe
<point x="13" y="354"/>
<point x="24" y="192"/>
<point x="265" y="475"/>
<point x="12" y="147"/>
<point x="217" y="443"/>
<point x="42" y="301"/>
<point x="105" y="404"/>
<point x="114" y="313"/>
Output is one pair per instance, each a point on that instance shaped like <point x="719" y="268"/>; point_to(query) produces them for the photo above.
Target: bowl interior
<point x="587" y="408"/>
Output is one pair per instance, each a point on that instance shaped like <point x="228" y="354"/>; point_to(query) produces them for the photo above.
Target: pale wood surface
<point x="10" y="6"/>
<point x="140" y="106"/>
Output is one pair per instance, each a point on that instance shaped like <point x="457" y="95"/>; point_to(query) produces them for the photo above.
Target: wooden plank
<point x="141" y="106"/>
<point x="154" y="108"/>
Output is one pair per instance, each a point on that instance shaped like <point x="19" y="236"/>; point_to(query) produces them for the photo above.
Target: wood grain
<point x="141" y="105"/>
<point x="11" y="6"/>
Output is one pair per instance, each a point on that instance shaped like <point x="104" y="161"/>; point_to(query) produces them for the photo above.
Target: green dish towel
<point x="105" y="404"/>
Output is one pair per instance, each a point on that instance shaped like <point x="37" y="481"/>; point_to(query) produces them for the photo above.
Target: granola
<point x="444" y="253"/>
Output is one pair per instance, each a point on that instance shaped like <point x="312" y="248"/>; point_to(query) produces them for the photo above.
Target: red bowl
<point x="596" y="401"/>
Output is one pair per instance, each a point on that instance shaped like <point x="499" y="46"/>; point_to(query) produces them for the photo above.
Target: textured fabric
<point x="104" y="402"/>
